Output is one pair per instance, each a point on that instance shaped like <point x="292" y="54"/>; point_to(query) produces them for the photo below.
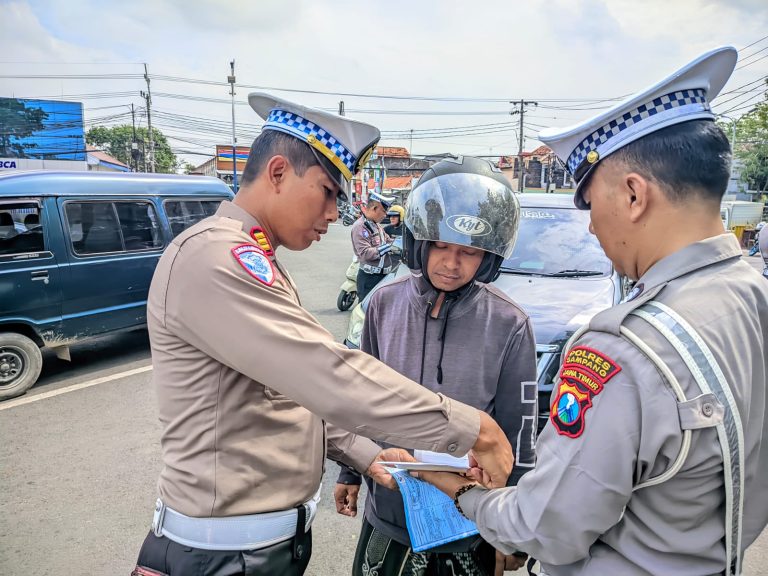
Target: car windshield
<point x="556" y="242"/>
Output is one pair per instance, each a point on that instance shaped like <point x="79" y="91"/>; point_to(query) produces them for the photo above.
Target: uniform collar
<point x="250" y="225"/>
<point x="691" y="258"/>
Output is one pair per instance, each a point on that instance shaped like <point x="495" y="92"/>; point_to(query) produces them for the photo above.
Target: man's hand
<point x="345" y="496"/>
<point x="446" y="482"/>
<point x="491" y="457"/>
<point x="511" y="562"/>
<point x="380" y="474"/>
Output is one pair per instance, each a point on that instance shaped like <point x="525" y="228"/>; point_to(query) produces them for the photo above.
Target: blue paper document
<point x="430" y="515"/>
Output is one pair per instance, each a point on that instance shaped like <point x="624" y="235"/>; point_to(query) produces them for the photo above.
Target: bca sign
<point x="469" y="225"/>
<point x="7" y="164"/>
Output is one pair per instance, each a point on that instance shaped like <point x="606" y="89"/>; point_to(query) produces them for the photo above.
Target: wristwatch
<point x="463" y="490"/>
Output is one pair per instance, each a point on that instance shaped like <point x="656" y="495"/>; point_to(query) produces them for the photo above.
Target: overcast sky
<point x="544" y="50"/>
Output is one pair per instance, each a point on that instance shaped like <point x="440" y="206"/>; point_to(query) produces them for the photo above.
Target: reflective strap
<point x="368" y="269"/>
<point x="710" y="378"/>
<point x="251" y="532"/>
<point x="671" y="379"/>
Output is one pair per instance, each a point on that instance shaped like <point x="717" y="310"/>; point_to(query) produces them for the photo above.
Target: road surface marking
<point x="29" y="399"/>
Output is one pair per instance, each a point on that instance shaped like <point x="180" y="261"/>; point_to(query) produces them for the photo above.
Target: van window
<point x="138" y="222"/>
<point x="184" y="213"/>
<point x="103" y="227"/>
<point x="20" y="228"/>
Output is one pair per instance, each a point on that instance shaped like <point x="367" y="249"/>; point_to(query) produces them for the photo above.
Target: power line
<point x="750" y="63"/>
<point x="740" y="87"/>
<point x="753" y="54"/>
<point x="753" y="43"/>
<point x="742" y="94"/>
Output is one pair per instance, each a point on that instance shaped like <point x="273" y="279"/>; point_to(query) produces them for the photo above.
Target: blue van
<point x="77" y="254"/>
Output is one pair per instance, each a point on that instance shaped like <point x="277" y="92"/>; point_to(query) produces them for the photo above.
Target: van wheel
<point x="20" y="364"/>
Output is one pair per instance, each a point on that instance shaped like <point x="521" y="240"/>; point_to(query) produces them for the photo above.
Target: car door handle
<point x="40" y="275"/>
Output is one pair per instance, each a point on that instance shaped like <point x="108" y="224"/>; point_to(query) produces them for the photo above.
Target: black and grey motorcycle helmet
<point x="466" y="201"/>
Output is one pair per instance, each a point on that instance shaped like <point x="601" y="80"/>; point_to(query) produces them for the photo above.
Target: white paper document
<point x="430" y="516"/>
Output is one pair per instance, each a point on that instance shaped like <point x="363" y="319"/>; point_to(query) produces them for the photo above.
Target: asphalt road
<point x="80" y="455"/>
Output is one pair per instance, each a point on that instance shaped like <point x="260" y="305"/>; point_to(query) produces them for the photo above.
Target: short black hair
<point x="270" y="143"/>
<point x="686" y="160"/>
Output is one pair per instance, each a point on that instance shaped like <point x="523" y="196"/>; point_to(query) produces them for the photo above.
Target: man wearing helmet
<point x="395" y="226"/>
<point x="371" y="245"/>
<point x="460" y="223"/>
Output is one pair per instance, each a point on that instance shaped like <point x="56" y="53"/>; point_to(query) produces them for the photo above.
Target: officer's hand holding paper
<point x="426" y="460"/>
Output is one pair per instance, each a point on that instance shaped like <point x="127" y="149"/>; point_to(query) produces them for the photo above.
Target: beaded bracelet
<point x="463" y="490"/>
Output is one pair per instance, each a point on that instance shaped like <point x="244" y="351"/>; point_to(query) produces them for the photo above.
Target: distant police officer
<point x="246" y="378"/>
<point x="654" y="460"/>
<point x="372" y="245"/>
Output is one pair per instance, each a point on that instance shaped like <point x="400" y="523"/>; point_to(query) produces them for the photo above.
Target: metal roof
<point x="60" y="183"/>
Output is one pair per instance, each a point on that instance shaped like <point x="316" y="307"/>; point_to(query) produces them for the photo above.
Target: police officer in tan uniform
<point x="372" y="246"/>
<point x="252" y="391"/>
<point x="654" y="460"/>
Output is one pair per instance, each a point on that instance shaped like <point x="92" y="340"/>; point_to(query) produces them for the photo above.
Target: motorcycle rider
<point x="395" y="227"/>
<point x="372" y="245"/>
<point x="446" y="327"/>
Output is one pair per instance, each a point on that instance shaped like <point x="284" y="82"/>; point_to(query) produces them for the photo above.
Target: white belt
<point x="370" y="269"/>
<point x="250" y="532"/>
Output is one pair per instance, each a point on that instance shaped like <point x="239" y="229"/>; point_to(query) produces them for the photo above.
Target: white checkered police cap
<point x="346" y="143"/>
<point x="684" y="95"/>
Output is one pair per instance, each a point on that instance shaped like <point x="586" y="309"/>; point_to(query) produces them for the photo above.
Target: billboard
<point x="41" y="130"/>
<point x="224" y="158"/>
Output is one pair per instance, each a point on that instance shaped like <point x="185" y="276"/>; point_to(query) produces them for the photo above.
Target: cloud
<point x="540" y="49"/>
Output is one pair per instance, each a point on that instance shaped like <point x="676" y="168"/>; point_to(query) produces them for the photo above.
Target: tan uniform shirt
<point x="577" y="511"/>
<point x="367" y="236"/>
<point x="245" y="378"/>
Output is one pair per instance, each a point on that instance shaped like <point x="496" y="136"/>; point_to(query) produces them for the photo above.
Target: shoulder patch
<point x="583" y="375"/>
<point x="255" y="262"/>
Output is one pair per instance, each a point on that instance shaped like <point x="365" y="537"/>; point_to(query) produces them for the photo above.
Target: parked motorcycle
<point x="348" y="214"/>
<point x="348" y="292"/>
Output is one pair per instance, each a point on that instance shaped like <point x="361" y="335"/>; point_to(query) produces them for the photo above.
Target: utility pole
<point x="231" y="80"/>
<point x="522" y="104"/>
<point x="148" y="97"/>
<point x="410" y="150"/>
<point x="350" y="185"/>
<point x="134" y="144"/>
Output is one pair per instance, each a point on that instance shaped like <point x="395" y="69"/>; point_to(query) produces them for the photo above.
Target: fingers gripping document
<point x="432" y="462"/>
<point x="430" y="516"/>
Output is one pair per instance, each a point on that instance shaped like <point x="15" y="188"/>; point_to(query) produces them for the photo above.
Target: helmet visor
<point x="466" y="209"/>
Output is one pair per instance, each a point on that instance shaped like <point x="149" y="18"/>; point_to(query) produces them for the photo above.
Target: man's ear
<point x="639" y="195"/>
<point x="276" y="170"/>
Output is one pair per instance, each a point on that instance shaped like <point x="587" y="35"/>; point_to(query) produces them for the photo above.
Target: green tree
<point x="17" y="121"/>
<point x="751" y="147"/>
<point x="116" y="141"/>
